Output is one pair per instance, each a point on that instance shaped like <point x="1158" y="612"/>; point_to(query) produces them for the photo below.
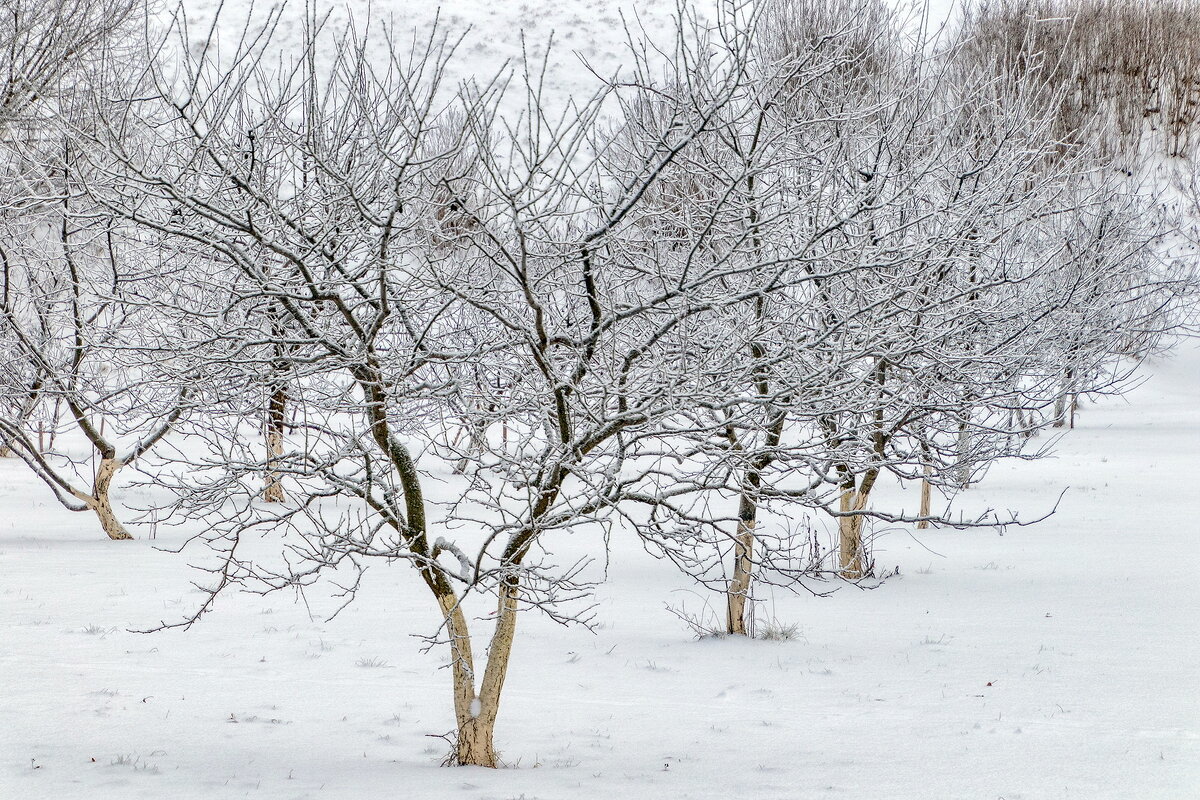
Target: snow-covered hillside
<point x="585" y="40"/>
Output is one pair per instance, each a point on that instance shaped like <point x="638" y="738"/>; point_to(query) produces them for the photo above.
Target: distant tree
<point x="1124" y="77"/>
<point x="934" y="229"/>
<point x="78" y="289"/>
<point x="50" y="50"/>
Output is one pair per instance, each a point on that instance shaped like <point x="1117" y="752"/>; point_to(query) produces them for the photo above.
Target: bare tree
<point x="77" y="305"/>
<point x="427" y="255"/>
<point x="1125" y="73"/>
<point x="48" y="48"/>
<point x="926" y="218"/>
<point x="52" y="52"/>
<point x="76" y="284"/>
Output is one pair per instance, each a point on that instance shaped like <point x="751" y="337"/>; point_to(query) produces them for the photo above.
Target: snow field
<point x="1083" y="625"/>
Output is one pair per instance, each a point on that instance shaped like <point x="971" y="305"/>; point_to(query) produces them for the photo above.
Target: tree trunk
<point x="926" y="492"/>
<point x="475" y="746"/>
<point x="1024" y="429"/>
<point x="54" y="418"/>
<point x="850" y="549"/>
<point x="738" y="592"/>
<point x="99" y="502"/>
<point x="476" y="445"/>
<point x="743" y="565"/>
<point x="1064" y="404"/>
<point x="926" y="487"/>
<point x="276" y="420"/>
<point x="476" y="713"/>
<point x="473" y="742"/>
<point x="964" y="455"/>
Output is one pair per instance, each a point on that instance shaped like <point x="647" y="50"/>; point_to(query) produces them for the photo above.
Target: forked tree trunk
<point x="854" y="497"/>
<point x="276" y="420"/>
<point x="476" y="712"/>
<point x="100" y="504"/>
<point x="476" y="433"/>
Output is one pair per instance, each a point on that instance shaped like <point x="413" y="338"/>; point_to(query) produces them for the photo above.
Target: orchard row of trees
<point x="1129" y="72"/>
<point x="795" y="249"/>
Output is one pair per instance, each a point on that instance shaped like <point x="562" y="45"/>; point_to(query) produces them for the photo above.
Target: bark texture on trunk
<point x="965" y="465"/>
<point x="476" y="712"/>
<point x="100" y="504"/>
<point x="851" y="551"/>
<point x="926" y="493"/>
<point x="850" y="545"/>
<point x="743" y="568"/>
<point x="738" y="591"/>
<point x="276" y="419"/>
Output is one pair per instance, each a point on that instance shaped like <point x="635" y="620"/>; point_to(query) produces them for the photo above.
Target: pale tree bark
<point x="472" y="743"/>
<point x="743" y="569"/>
<point x="926" y="486"/>
<point x="852" y="500"/>
<point x="856" y="493"/>
<point x="965" y="449"/>
<point x="738" y="591"/>
<point x="276" y="419"/>
<point x="1065" y="403"/>
<point x="926" y="492"/>
<point x="98" y="501"/>
<point x="850" y="560"/>
<point x="476" y="709"/>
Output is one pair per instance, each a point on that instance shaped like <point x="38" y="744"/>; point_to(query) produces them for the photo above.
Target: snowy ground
<point x="1053" y="661"/>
